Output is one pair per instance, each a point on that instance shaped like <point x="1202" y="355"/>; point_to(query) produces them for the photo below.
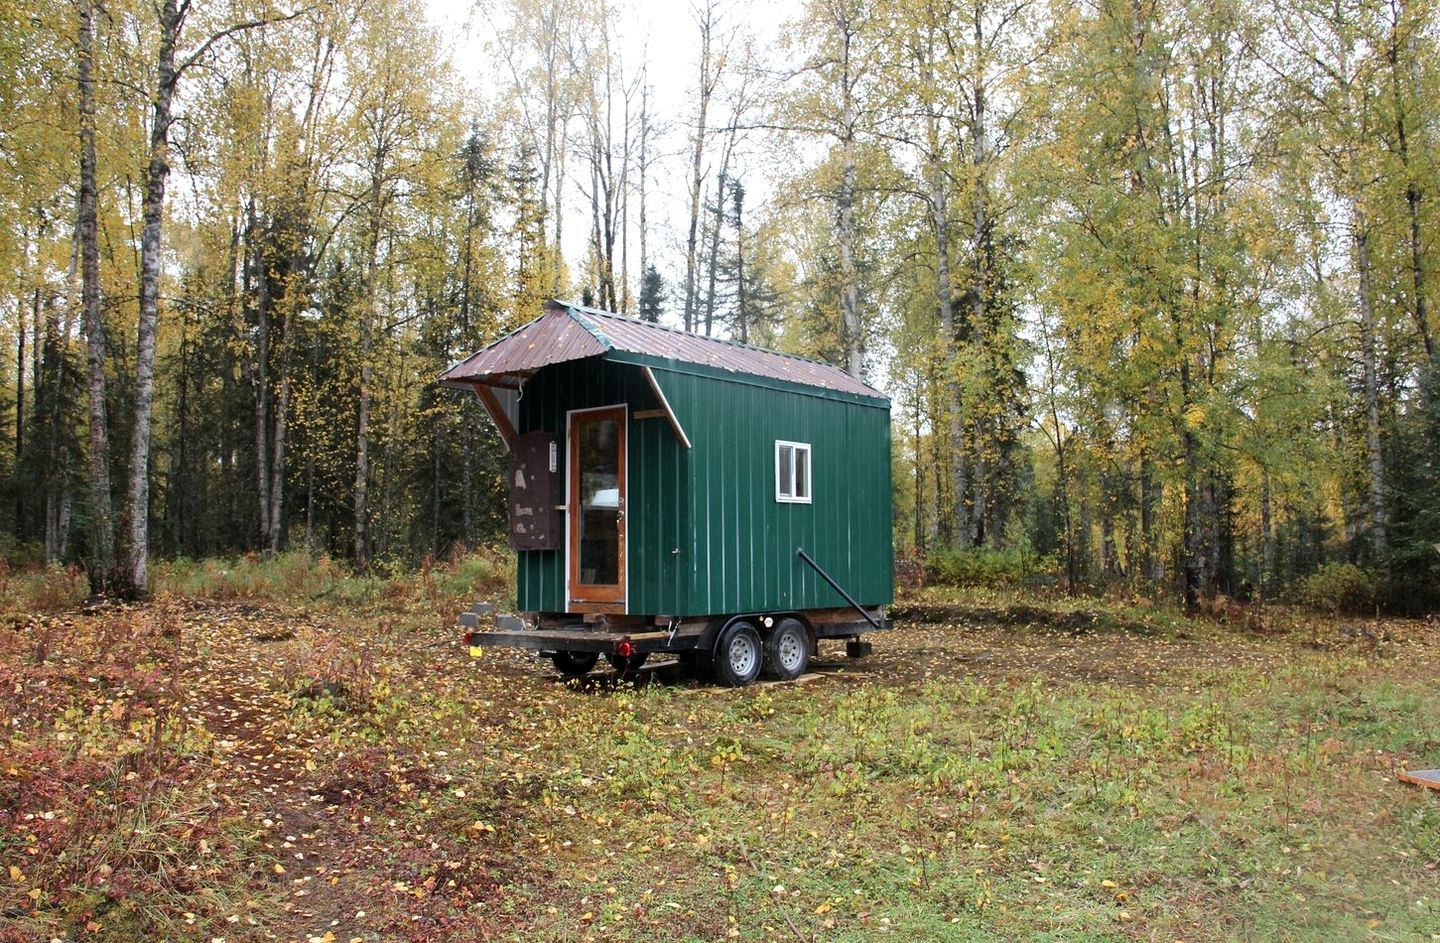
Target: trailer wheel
<point x="624" y="664"/>
<point x="575" y="664"/>
<point x="738" y="654"/>
<point x="787" y="650"/>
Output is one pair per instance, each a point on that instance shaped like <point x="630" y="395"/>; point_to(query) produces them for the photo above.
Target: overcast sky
<point x="662" y="32"/>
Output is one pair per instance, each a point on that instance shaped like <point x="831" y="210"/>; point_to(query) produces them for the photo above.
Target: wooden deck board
<point x="1429" y="778"/>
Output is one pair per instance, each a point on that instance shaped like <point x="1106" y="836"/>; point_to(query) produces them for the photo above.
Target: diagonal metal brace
<point x="838" y="588"/>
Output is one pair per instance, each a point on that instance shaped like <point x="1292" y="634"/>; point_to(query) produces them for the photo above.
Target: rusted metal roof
<point x="554" y="337"/>
<point x="573" y="332"/>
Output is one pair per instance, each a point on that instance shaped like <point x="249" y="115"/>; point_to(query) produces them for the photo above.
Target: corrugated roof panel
<point x="555" y="337"/>
<point x="638" y="337"/>
<point x="571" y="332"/>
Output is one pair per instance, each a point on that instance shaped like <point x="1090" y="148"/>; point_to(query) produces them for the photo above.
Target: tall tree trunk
<point x="712" y="264"/>
<point x="1370" y="366"/>
<point x="555" y="263"/>
<point x="1062" y="497"/>
<point x="697" y="157"/>
<point x="368" y="309"/>
<point x="178" y="493"/>
<point x="1109" y="559"/>
<point x="1413" y="193"/>
<point x="644" y="168"/>
<point x="310" y="500"/>
<point x="466" y="439"/>
<point x="362" y="450"/>
<point x="63" y="517"/>
<point x="137" y="569"/>
<point x="945" y="298"/>
<point x="52" y="373"/>
<point x="1191" y="537"/>
<point x="978" y="293"/>
<point x="742" y="311"/>
<point x="437" y="445"/>
<point x="854" y="336"/>
<point x="20" y="528"/>
<point x="258" y="268"/>
<point x="980" y="498"/>
<point x="553" y="157"/>
<point x="1193" y="527"/>
<point x="467" y="470"/>
<point x="236" y="285"/>
<point x="102" y="568"/>
<point x="918" y="474"/>
<point x="1267" y="536"/>
<point x="1150" y="563"/>
<point x="277" y="454"/>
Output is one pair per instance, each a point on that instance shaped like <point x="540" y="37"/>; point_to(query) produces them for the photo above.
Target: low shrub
<point x="1338" y="588"/>
<point x="35" y="588"/>
<point x="302" y="575"/>
<point x="988" y="568"/>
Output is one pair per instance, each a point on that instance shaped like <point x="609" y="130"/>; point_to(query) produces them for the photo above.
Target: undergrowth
<point x="300" y="576"/>
<point x="290" y="577"/>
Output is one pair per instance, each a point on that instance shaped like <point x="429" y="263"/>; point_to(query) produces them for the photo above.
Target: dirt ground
<point x="241" y="672"/>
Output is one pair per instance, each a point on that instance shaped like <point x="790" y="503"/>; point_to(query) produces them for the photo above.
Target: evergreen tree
<point x="652" y="295"/>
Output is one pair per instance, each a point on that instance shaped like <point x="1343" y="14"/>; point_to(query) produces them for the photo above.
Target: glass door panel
<point x="597" y="508"/>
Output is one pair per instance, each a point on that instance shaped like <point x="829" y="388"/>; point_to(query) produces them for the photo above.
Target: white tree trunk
<point x="102" y="563"/>
<point x="137" y="565"/>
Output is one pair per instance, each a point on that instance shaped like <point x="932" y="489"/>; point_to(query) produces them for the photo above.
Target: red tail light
<point x="625" y="649"/>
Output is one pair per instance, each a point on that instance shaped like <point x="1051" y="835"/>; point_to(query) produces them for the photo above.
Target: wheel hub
<point x="790" y="651"/>
<point x="742" y="655"/>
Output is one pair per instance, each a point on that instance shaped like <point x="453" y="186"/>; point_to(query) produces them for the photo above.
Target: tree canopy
<point x="1150" y="283"/>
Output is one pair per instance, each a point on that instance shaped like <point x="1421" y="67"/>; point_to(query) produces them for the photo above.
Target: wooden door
<point x="597" y="510"/>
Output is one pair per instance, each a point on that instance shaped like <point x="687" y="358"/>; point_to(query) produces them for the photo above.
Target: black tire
<point x="623" y="665"/>
<point x="575" y="664"/>
<point x="787" y="650"/>
<point x="738" y="655"/>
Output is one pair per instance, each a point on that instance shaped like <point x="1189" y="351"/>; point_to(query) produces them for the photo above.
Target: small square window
<point x="792" y="472"/>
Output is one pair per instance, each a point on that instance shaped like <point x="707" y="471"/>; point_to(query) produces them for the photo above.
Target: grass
<point x="296" y="576"/>
<point x="1002" y="768"/>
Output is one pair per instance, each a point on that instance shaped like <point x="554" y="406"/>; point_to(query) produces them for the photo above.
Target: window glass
<point x="599" y="519"/>
<point x="792" y="472"/>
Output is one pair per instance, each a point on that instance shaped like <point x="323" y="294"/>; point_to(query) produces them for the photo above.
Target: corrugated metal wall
<point x="715" y="503"/>
<point x="655" y="468"/>
<point x="741" y="551"/>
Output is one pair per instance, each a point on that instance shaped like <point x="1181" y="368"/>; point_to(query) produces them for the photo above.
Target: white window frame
<point x="795" y="448"/>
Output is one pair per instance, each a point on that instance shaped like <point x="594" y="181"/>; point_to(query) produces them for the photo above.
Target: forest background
<point x="1150" y="283"/>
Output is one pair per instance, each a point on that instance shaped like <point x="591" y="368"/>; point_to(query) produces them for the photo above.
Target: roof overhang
<point x="568" y="332"/>
<point x="558" y="336"/>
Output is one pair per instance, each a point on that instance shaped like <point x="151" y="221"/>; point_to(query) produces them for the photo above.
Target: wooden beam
<point x="665" y="405"/>
<point x="651" y="414"/>
<point x="1429" y="778"/>
<point x="497" y="414"/>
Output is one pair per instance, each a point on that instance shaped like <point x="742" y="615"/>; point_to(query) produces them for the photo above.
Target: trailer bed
<point x="588" y="640"/>
<point x="576" y="642"/>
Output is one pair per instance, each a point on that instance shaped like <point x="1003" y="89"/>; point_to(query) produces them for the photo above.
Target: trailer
<point x="671" y="493"/>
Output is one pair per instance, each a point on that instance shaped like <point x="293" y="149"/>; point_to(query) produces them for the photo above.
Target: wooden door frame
<point x="606" y="600"/>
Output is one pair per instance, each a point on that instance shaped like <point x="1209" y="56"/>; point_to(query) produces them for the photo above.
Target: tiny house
<point x="676" y="493"/>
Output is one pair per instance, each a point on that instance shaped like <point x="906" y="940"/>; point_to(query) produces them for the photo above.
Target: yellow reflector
<point x="474" y="651"/>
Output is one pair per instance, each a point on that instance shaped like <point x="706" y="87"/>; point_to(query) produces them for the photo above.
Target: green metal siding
<point x="715" y="503"/>
<point x="741" y="555"/>
<point x="655" y="463"/>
